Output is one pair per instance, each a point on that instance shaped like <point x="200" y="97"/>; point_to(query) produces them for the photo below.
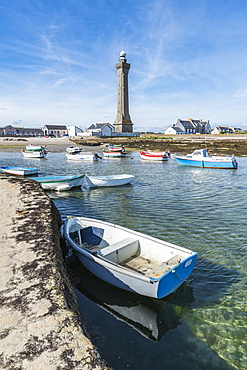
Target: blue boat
<point x="20" y="171"/>
<point x="59" y="183"/>
<point x="201" y="158"/>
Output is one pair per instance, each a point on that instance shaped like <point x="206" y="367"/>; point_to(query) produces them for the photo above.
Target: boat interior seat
<point x="120" y="251"/>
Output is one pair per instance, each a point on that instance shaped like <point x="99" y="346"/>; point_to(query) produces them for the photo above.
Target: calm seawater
<point x="204" y="324"/>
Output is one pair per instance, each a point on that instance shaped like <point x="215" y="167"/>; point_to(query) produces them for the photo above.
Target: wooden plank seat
<point x="120" y="251"/>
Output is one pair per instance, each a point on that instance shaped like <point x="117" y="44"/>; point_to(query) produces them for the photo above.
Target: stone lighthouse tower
<point x="123" y="121"/>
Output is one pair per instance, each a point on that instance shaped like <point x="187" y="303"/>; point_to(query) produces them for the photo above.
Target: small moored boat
<point x="141" y="313"/>
<point x="155" y="156"/>
<point x="21" y="171"/>
<point x="201" y="158"/>
<point x="83" y="156"/>
<point x="34" y="151"/>
<point x="115" y="151"/>
<point x="113" y="180"/>
<point x="59" y="183"/>
<point x="114" y="154"/>
<point x="73" y="149"/>
<point x="128" y="259"/>
<point x="116" y="148"/>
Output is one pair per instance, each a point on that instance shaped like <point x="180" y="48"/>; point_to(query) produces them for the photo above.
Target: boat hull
<point x="34" y="154"/>
<point x="83" y="157"/>
<point x="34" y="151"/>
<point x="151" y="156"/>
<point x="205" y="163"/>
<point x="117" y="148"/>
<point x="105" y="181"/>
<point x="101" y="262"/>
<point x="114" y="154"/>
<point x="59" y="183"/>
<point x="20" y="171"/>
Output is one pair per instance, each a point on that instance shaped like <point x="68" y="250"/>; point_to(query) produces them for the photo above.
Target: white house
<point x="190" y="126"/>
<point x="74" y="130"/>
<point x="225" y="130"/>
<point x="99" y="129"/>
<point x="173" y="131"/>
<point x="56" y="130"/>
<point x="20" y="131"/>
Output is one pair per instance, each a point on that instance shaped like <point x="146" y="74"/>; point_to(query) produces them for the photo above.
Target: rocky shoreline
<point x="183" y="144"/>
<point x="227" y="144"/>
<point x="40" y="325"/>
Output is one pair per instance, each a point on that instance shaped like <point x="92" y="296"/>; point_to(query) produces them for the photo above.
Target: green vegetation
<point x="157" y="137"/>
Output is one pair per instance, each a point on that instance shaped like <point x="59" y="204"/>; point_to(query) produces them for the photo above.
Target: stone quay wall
<point x="40" y="327"/>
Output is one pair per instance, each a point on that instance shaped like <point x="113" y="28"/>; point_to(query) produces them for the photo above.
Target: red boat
<point x="155" y="156"/>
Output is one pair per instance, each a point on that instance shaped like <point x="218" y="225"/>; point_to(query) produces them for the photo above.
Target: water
<point x="204" y="324"/>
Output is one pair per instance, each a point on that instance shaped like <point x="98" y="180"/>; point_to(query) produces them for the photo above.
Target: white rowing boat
<point x="21" y="171"/>
<point x="59" y="183"/>
<point x="113" y="180"/>
<point x="83" y="156"/>
<point x="128" y="259"/>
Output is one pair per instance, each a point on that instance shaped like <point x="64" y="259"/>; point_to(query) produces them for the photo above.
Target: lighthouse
<point x="123" y="121"/>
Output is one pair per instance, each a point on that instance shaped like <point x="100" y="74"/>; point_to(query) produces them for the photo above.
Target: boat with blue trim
<point x="201" y="158"/>
<point x="59" y="183"/>
<point x="128" y="259"/>
<point x="20" y="171"/>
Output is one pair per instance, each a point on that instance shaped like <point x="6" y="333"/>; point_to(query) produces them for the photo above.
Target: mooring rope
<point x="188" y="280"/>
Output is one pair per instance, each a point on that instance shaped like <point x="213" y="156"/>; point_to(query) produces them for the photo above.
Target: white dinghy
<point x="59" y="183"/>
<point x="83" y="156"/>
<point x="113" y="180"/>
<point x="20" y="171"/>
<point x="128" y="259"/>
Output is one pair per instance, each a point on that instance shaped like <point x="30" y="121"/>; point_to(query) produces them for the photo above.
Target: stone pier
<point x="40" y="326"/>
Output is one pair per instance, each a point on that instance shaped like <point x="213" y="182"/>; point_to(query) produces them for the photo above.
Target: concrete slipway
<point x="40" y="327"/>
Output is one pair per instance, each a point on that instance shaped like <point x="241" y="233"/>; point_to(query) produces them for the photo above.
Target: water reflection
<point x="150" y="317"/>
<point x="117" y="320"/>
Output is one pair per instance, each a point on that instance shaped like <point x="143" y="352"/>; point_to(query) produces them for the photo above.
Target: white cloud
<point x="186" y="61"/>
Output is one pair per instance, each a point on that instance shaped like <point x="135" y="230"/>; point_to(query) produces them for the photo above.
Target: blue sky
<point x="188" y="60"/>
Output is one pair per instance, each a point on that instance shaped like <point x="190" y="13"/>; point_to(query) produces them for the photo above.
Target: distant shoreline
<point x="15" y="145"/>
<point x="184" y="144"/>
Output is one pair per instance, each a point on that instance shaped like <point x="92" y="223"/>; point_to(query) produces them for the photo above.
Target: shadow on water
<point x="150" y="317"/>
<point x="212" y="282"/>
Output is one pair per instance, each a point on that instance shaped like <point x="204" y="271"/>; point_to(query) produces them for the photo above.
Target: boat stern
<point x="171" y="281"/>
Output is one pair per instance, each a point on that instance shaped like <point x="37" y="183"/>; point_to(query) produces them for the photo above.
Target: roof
<point x="193" y="123"/>
<point x="98" y="126"/>
<point x="28" y="129"/>
<point x="56" y="127"/>
<point x="9" y="127"/>
<point x="177" y="129"/>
